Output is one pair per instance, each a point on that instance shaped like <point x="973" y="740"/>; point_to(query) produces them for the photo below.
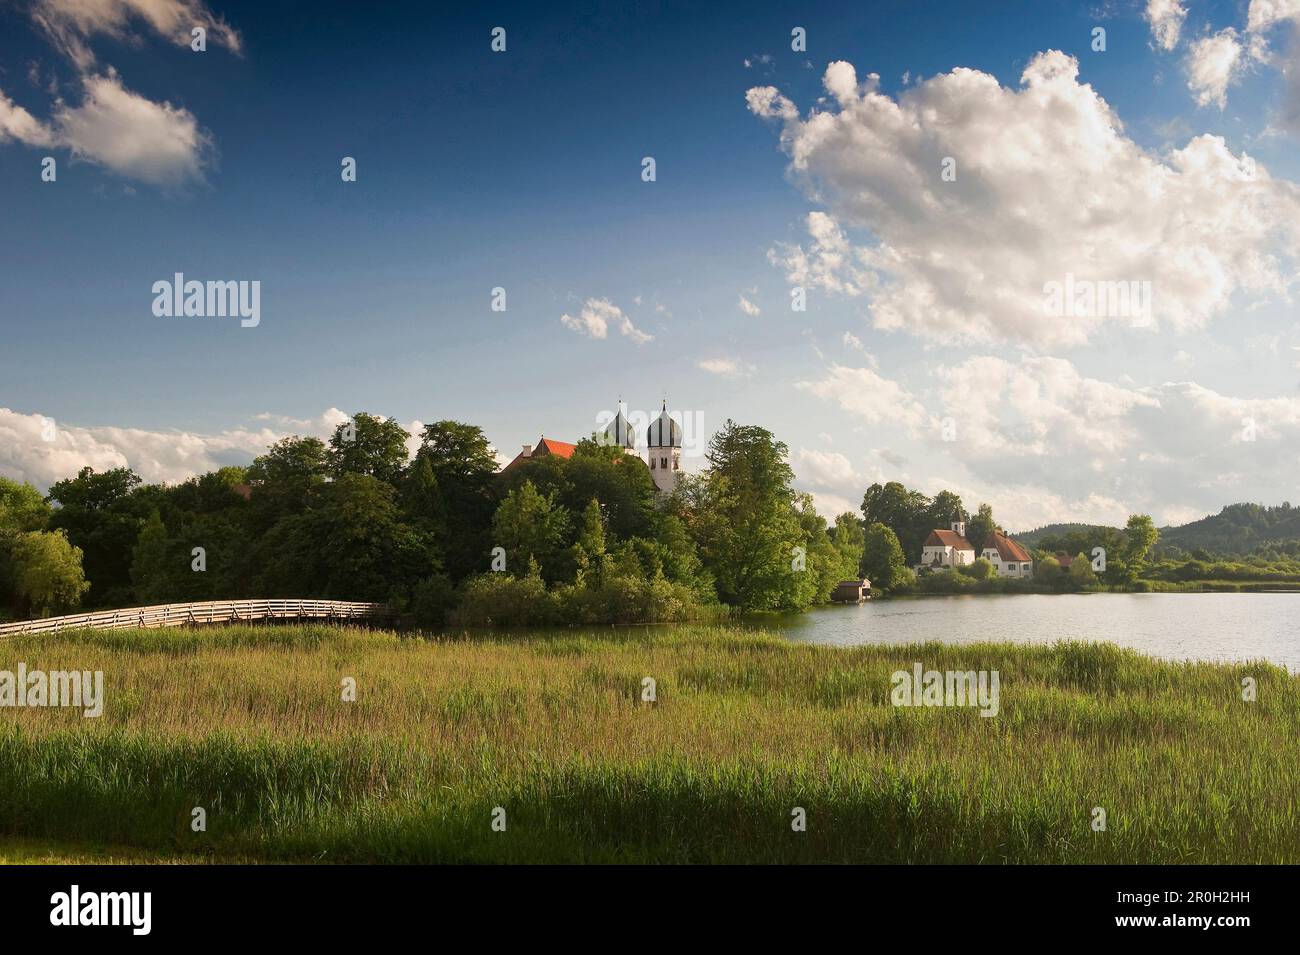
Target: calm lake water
<point x="1224" y="627"/>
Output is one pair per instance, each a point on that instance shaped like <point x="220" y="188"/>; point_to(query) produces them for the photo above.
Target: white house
<point x="944" y="549"/>
<point x="1008" y="558"/>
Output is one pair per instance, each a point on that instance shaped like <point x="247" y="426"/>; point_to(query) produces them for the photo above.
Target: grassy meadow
<point x="248" y="723"/>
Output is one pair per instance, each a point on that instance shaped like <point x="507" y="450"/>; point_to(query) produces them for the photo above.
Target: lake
<point x="1222" y="627"/>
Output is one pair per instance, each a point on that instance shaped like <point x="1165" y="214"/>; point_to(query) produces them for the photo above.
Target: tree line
<point x="898" y="519"/>
<point x="441" y="534"/>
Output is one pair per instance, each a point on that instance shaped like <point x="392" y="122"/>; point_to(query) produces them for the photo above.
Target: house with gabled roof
<point x="663" y="447"/>
<point x="947" y="549"/>
<point x="544" y="447"/>
<point x="1008" y="557"/>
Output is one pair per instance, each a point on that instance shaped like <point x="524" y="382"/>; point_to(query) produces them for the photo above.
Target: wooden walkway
<point x="205" y="612"/>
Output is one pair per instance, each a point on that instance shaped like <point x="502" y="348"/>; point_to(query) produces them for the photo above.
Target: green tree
<point x="102" y="513"/>
<point x="422" y="498"/>
<point x="351" y="544"/>
<point x="981" y="569"/>
<point x="1140" y="535"/>
<point x="849" y="539"/>
<point x="1081" y="572"/>
<point x="285" y="478"/>
<point x="532" y="528"/>
<point x="22" y="508"/>
<point x="620" y="481"/>
<point x="48" y="577"/>
<point x="883" y="561"/>
<point x="369" y="445"/>
<point x="980" y="527"/>
<point x="464" y="469"/>
<point x="150" y="571"/>
<point x="741" y="513"/>
<point x="825" y="565"/>
<point x="907" y="513"/>
<point x="943" y="510"/>
<point x="1047" y="568"/>
<point x="588" y="552"/>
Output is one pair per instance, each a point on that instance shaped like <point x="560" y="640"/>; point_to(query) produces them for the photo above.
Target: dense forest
<point x="443" y="534"/>
<point x="446" y="537"/>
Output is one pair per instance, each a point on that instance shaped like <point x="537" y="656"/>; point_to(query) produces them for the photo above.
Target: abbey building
<point x="662" y="446"/>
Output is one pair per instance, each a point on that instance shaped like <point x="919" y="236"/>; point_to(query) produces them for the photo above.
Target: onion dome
<point x="664" y="432"/>
<point x="619" y="434"/>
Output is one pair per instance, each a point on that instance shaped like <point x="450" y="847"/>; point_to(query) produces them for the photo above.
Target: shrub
<point x="500" y="600"/>
<point x="432" y="600"/>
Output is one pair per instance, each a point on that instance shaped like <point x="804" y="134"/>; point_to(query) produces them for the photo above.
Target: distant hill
<point x="1237" y="530"/>
<point x="1031" y="538"/>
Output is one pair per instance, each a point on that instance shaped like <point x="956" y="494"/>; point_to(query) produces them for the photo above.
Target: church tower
<point x="619" y="433"/>
<point x="664" y="449"/>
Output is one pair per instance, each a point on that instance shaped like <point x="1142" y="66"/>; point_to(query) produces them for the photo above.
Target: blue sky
<point x="522" y="170"/>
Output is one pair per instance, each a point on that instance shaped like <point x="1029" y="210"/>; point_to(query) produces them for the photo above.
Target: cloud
<point x="597" y="315"/>
<point x="18" y="124"/>
<point x="1214" y="63"/>
<point x="157" y="456"/>
<point x="1047" y="185"/>
<point x="748" y="307"/>
<point x="1044" y="442"/>
<point x="1166" y="20"/>
<point x="824" y="468"/>
<point x="726" y="367"/>
<point x="170" y="456"/>
<point x="113" y="127"/>
<point x="1265" y="14"/>
<point x="866" y="395"/>
<point x="829" y="263"/>
<point x="70" y="24"/>
<point x="831" y="506"/>
<point x="120" y="130"/>
<point x="133" y="136"/>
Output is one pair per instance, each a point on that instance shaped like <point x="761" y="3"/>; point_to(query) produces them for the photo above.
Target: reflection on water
<point x="1173" y="626"/>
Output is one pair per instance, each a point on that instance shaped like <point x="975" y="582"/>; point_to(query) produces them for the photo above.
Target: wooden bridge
<point x="205" y="612"/>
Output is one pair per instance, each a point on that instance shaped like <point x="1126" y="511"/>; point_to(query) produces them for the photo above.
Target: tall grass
<point x="248" y="723"/>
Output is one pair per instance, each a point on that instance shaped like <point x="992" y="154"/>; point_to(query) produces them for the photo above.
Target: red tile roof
<point x="544" y="446"/>
<point x="562" y="448"/>
<point x="1007" y="549"/>
<point x="941" y="538"/>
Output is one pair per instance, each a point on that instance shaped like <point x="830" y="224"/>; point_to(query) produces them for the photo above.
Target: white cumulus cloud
<point x="726" y="367"/>
<point x="1214" y="63"/>
<point x="1050" y="443"/>
<point x="597" y="315"/>
<point x="70" y="24"/>
<point x="1166" y="19"/>
<point x="1047" y="185"/>
<point x="124" y="132"/>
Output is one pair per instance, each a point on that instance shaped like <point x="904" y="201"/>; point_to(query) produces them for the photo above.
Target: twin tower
<point x="663" y="440"/>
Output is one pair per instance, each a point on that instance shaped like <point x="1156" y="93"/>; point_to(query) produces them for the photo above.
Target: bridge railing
<point x="207" y="611"/>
